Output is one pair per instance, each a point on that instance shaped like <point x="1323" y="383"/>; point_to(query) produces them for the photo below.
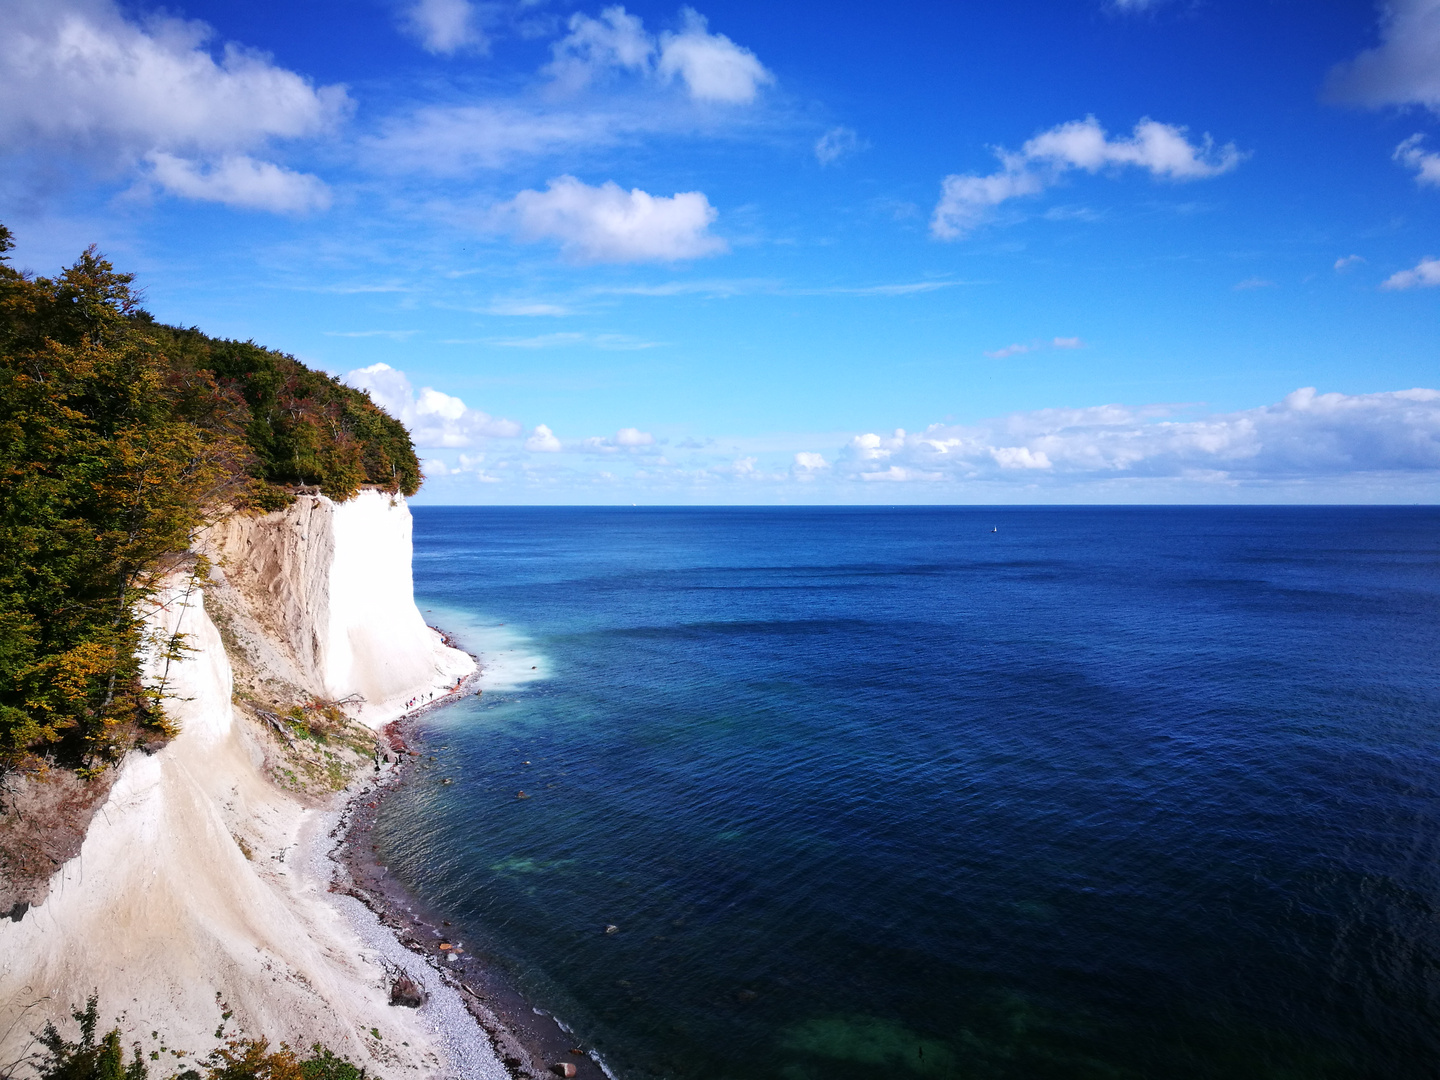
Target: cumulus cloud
<point x="616" y="41"/>
<point x="471" y="466"/>
<point x="1426" y="165"/>
<point x="240" y="181"/>
<point x="710" y="66"/>
<point x="1345" y="262"/>
<point x="444" y="26"/>
<point x="1404" y="69"/>
<point x="434" y="419"/>
<point x="1306" y="435"/>
<point x="543" y="441"/>
<point x="1425" y="275"/>
<point x="1163" y="150"/>
<point x="609" y="224"/>
<point x="457" y="139"/>
<point x="810" y="462"/>
<point x="836" y="143"/>
<point x="81" y="77"/>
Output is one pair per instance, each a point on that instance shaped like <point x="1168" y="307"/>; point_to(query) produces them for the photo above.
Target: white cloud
<point x="80" y="76"/>
<point x="1067" y="343"/>
<point x="633" y="437"/>
<point x="1253" y="283"/>
<point x="1426" y="165"/>
<point x="1425" y="275"/>
<point x="528" y="308"/>
<point x="459" y="138"/>
<point x="713" y="67"/>
<point x="835" y="144"/>
<point x="434" y="419"/>
<point x="1163" y="150"/>
<point x="594" y="47"/>
<point x="631" y="440"/>
<point x="966" y="200"/>
<point x="1345" y="262"/>
<point x="1009" y="350"/>
<point x="444" y="26"/>
<point x="1306" y="435"/>
<point x="1019" y="457"/>
<point x="471" y="466"/>
<point x="542" y="440"/>
<point x="810" y="462"/>
<point x="609" y="224"/>
<point x="1404" y="69"/>
<point x="240" y="181"/>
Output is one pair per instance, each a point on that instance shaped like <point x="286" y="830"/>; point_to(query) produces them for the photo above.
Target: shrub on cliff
<point x="118" y="437"/>
<point x="238" y="1059"/>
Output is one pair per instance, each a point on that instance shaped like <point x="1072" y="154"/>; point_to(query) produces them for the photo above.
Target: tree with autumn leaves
<point x="119" y="438"/>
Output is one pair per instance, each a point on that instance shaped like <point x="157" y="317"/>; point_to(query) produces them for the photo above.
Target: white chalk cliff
<point x="200" y="882"/>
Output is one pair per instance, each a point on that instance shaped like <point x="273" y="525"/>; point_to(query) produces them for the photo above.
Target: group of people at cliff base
<point x="422" y="699"/>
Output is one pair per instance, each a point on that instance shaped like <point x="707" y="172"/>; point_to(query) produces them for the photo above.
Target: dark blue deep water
<point x="880" y="792"/>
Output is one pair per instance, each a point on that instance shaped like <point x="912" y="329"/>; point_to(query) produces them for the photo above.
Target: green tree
<point x="119" y="438"/>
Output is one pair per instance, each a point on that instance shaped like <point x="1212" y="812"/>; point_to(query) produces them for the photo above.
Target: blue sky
<point x="1176" y="250"/>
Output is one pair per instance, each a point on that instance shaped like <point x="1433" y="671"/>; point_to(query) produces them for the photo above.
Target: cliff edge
<point x="198" y="903"/>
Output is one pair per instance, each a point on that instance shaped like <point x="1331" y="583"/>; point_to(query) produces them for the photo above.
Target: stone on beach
<point x="563" y="1068"/>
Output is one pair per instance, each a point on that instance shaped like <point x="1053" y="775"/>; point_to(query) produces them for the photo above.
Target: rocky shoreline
<point x="531" y="1042"/>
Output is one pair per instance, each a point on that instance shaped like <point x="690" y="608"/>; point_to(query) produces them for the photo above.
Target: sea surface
<point x="945" y="792"/>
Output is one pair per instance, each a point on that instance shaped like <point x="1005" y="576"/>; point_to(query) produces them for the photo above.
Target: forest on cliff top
<point x="119" y="438"/>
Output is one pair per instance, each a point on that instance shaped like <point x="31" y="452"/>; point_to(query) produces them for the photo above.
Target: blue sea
<point x="945" y="792"/>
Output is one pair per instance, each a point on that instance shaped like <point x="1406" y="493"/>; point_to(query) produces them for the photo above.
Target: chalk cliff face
<point x="330" y="591"/>
<point x="201" y="886"/>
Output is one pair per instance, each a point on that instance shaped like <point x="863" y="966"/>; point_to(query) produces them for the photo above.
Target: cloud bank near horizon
<point x="1306" y="438"/>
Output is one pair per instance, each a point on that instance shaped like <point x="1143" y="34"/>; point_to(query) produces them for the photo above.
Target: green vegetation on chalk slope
<point x="119" y="437"/>
<point x="89" y="1058"/>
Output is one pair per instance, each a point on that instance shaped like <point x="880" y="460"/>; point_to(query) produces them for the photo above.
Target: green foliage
<point x="303" y="427"/>
<point x="119" y="437"/>
<point x="87" y="1059"/>
<point x="237" y="1059"/>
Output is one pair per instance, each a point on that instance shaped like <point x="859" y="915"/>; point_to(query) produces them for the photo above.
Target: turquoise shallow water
<point x="874" y="792"/>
